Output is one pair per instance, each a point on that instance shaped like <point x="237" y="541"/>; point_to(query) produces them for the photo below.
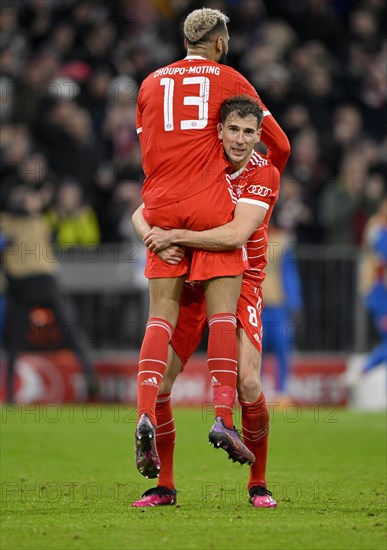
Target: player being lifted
<point x="255" y="182"/>
<point x="185" y="186"/>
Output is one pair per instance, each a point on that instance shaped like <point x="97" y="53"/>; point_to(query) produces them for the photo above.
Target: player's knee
<point x="249" y="388"/>
<point x="166" y="311"/>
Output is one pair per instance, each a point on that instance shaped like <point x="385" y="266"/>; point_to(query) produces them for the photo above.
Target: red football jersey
<point x="257" y="183"/>
<point x="177" y="115"/>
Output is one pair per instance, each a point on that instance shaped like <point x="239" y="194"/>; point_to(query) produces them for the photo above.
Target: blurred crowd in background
<point x="71" y="70"/>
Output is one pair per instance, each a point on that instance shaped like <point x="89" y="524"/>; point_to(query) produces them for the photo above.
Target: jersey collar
<point x="196" y="57"/>
<point x="239" y="172"/>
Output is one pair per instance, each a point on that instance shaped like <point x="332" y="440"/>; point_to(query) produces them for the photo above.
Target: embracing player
<point x="255" y="182"/>
<point x="185" y="186"/>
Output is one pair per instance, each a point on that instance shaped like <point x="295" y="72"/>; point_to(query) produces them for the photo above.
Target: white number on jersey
<point x="253" y="316"/>
<point x="201" y="101"/>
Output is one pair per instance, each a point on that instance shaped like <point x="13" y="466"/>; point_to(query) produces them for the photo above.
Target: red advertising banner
<point x="57" y="377"/>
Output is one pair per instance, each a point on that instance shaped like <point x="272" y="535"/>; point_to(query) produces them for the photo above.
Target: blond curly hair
<point x="199" y="24"/>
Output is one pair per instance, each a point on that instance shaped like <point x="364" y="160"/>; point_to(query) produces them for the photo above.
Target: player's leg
<point x="221" y="297"/>
<point x="376" y="304"/>
<point x="186" y="338"/>
<point x="271" y="328"/>
<point x="378" y="356"/>
<point x="283" y="337"/>
<point x="164" y="296"/>
<point x="166" y="432"/>
<point x="255" y="418"/>
<point x="165" y="492"/>
<point x="188" y="333"/>
<point x="255" y="415"/>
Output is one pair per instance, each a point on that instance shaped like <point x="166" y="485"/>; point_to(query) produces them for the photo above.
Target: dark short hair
<point x="243" y="106"/>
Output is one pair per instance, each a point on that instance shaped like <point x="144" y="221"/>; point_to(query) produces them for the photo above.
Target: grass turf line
<point x="68" y="481"/>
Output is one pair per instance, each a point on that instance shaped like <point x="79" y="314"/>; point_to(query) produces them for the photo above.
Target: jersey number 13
<point x="201" y="101"/>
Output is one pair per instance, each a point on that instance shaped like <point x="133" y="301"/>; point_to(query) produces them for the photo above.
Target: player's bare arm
<point x="225" y="237"/>
<point x="139" y="223"/>
<point x="171" y="254"/>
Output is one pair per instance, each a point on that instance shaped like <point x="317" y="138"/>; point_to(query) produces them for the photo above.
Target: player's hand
<point x="157" y="239"/>
<point x="172" y="254"/>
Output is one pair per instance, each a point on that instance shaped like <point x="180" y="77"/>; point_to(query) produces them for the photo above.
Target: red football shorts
<point x="191" y="323"/>
<point x="156" y="268"/>
<point x="197" y="265"/>
<point x="249" y="313"/>
<point x="208" y="209"/>
<point x="192" y="320"/>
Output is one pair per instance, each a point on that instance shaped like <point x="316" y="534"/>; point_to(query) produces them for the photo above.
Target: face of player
<point x="239" y="135"/>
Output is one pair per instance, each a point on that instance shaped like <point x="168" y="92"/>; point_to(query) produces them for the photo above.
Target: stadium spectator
<point x="95" y="95"/>
<point x="283" y="303"/>
<point x="15" y="146"/>
<point x="120" y="122"/>
<point x="72" y="147"/>
<point x="36" y="90"/>
<point x="3" y="244"/>
<point x="73" y="222"/>
<point x="373" y="281"/>
<point x="126" y="199"/>
<point x="295" y="119"/>
<point x="292" y="213"/>
<point x="307" y="167"/>
<point x="62" y="39"/>
<point x="30" y="269"/>
<point x="347" y="132"/>
<point x="342" y="209"/>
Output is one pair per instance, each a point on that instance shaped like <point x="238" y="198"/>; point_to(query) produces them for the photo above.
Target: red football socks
<point x="165" y="440"/>
<point x="255" y="431"/>
<point x="222" y="363"/>
<point x="152" y="365"/>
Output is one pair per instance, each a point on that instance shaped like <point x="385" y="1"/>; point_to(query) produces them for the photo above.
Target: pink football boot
<point x="158" y="496"/>
<point x="260" y="497"/>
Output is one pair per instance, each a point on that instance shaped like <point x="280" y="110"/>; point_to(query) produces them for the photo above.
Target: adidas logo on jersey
<point x="214" y="381"/>
<point x="257" y="338"/>
<point x="150" y="382"/>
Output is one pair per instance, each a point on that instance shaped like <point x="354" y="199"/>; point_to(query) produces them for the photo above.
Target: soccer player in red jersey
<point x="255" y="182"/>
<point x="185" y="187"/>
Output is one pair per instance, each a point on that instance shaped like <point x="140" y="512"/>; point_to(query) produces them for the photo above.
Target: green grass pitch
<point x="68" y="480"/>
